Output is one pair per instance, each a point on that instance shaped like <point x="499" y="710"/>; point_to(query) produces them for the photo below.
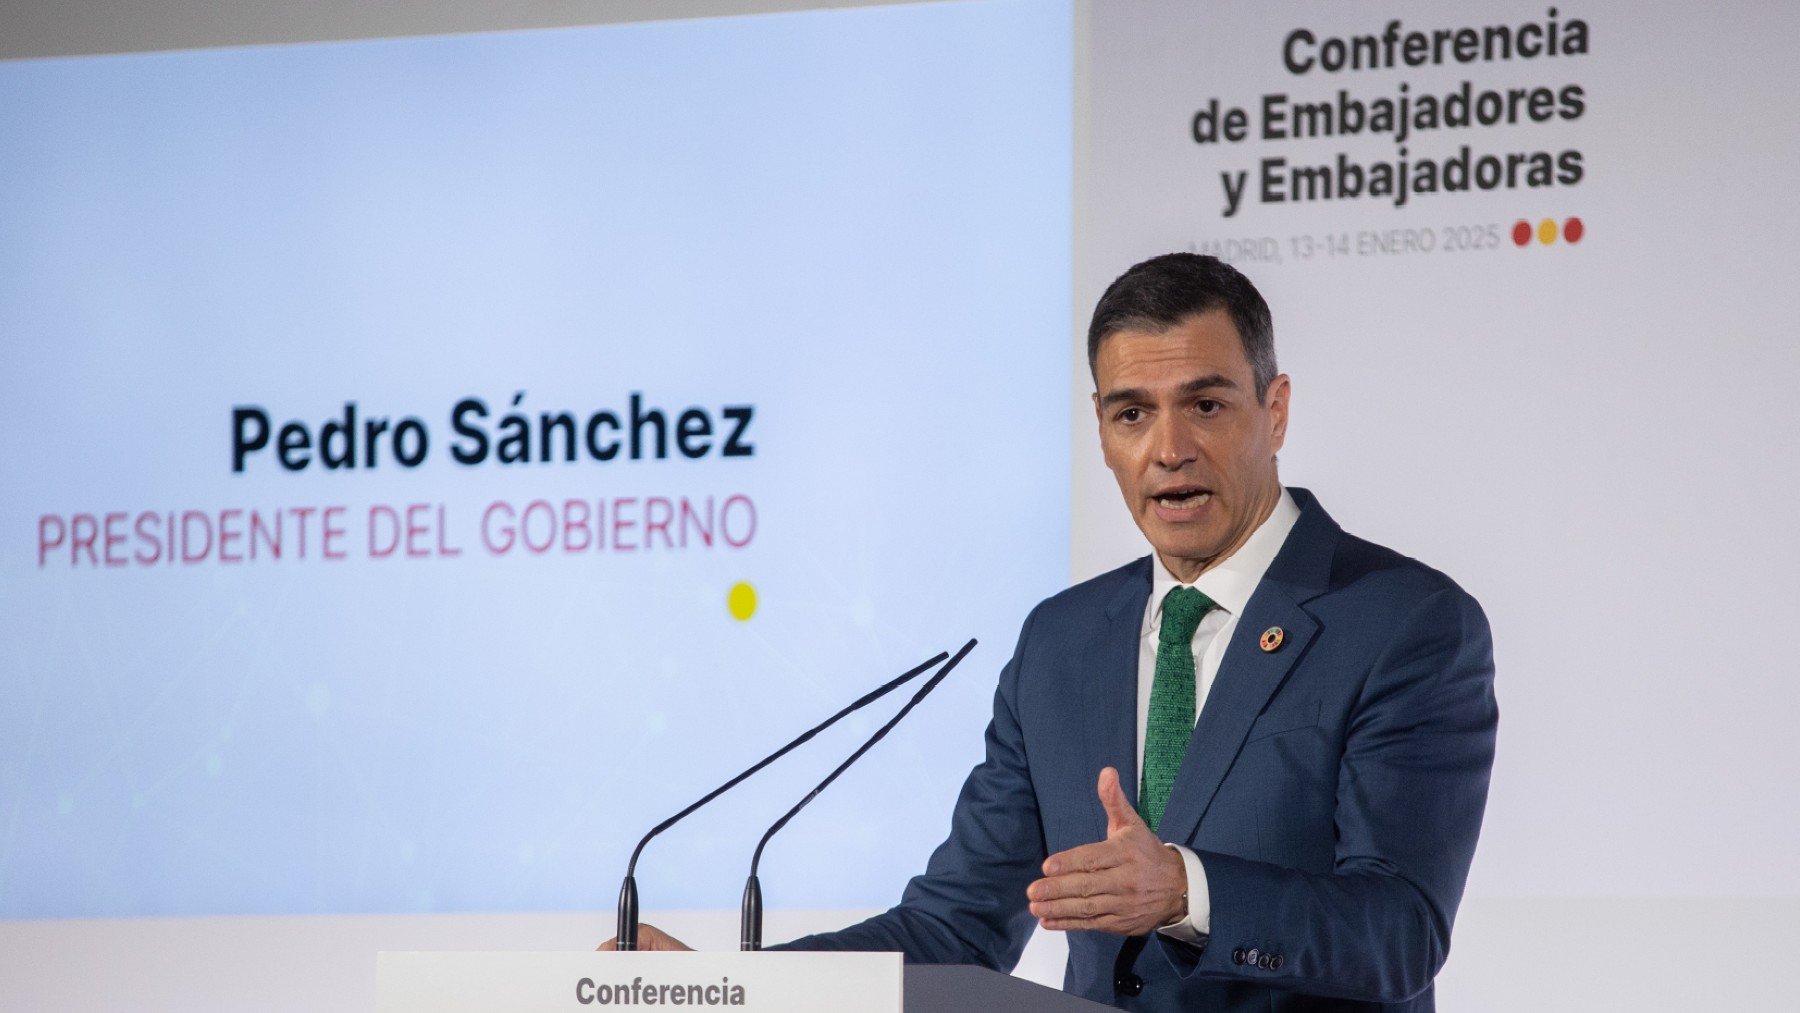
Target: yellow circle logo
<point x="741" y="600"/>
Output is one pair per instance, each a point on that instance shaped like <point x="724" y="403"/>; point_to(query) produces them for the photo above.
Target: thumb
<point x="1120" y="815"/>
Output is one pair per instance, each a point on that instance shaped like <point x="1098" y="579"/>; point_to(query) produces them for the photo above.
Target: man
<point x="1246" y="773"/>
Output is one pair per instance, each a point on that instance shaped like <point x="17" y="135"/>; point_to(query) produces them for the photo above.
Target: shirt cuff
<point x="1198" y="923"/>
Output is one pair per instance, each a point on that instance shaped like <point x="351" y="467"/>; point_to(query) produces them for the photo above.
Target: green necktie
<point x="1171" y="721"/>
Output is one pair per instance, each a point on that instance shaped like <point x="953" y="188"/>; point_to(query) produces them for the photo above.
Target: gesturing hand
<point x="1128" y="884"/>
<point x="649" y="938"/>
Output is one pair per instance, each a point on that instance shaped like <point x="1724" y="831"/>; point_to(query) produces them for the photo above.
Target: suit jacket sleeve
<point x="969" y="906"/>
<point x="1412" y="783"/>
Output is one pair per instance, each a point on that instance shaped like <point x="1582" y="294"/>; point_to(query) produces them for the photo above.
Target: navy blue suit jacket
<point x="1333" y="788"/>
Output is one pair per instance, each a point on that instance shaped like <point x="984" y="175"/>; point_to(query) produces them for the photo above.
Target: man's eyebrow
<point x="1113" y="397"/>
<point x="1211" y="381"/>
<point x="1208" y="382"/>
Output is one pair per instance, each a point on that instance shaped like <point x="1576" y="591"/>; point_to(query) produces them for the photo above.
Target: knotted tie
<point x="1171" y="721"/>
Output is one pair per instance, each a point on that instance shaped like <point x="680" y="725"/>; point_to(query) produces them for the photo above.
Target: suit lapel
<point x="1109" y="690"/>
<point x="1248" y="676"/>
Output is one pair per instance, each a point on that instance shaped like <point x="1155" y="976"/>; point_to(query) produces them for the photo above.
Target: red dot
<point x="1573" y="230"/>
<point x="1521" y="233"/>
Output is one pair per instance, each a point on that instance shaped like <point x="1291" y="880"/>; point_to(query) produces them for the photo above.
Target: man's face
<point x="1183" y="433"/>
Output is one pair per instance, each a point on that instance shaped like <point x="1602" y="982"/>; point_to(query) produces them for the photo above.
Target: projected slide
<point x="428" y="463"/>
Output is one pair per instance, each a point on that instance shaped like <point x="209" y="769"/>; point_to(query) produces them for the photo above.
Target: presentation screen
<point x="431" y="462"/>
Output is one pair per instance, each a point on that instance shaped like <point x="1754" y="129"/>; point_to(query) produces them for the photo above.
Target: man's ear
<point x="1277" y="396"/>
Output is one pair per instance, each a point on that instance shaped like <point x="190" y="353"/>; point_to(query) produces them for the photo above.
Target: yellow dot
<point x="1547" y="231"/>
<point x="741" y="601"/>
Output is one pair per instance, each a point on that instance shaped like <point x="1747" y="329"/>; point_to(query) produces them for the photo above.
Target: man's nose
<point x="1174" y="444"/>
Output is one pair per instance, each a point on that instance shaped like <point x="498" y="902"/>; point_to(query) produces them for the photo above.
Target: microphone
<point x="750" y="919"/>
<point x="628" y="895"/>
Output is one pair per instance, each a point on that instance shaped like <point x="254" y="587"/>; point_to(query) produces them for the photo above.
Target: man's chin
<point x="1189" y="550"/>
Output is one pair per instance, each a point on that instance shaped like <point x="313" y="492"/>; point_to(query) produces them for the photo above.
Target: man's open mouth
<point x="1183" y="498"/>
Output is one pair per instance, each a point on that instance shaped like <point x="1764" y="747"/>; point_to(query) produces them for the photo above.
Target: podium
<point x="955" y="988"/>
<point x="786" y="981"/>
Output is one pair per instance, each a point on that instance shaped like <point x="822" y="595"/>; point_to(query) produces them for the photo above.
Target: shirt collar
<point x="1230" y="582"/>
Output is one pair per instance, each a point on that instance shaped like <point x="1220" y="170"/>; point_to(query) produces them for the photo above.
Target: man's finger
<point x="1119" y="813"/>
<point x="1072" y="907"/>
<point x="1086" y="858"/>
<point x="1102" y="923"/>
<point x="649" y="938"/>
<point x="1075" y="884"/>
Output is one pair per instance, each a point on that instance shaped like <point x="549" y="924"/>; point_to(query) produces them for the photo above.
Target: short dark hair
<point x="1163" y="291"/>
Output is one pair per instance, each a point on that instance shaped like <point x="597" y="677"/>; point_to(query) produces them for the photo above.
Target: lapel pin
<point x="1272" y="638"/>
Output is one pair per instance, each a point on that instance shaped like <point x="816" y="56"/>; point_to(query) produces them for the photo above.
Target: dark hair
<point x="1163" y="291"/>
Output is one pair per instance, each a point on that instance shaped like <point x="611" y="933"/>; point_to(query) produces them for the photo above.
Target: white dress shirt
<point x="1229" y="583"/>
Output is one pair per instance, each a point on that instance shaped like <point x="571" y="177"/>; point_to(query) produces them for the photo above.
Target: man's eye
<point x="1131" y="415"/>
<point x="1208" y="406"/>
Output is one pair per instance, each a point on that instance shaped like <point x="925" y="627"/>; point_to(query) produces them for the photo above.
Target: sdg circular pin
<point x="1272" y="638"/>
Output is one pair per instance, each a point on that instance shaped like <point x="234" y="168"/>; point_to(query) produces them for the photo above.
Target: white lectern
<point x="766" y="981"/>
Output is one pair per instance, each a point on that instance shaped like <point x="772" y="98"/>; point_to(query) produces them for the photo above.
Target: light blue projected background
<point x="855" y="221"/>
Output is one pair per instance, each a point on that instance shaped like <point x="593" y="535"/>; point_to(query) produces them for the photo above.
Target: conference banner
<point x="1527" y="269"/>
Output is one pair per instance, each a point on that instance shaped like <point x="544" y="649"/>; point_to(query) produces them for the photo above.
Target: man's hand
<point x="1128" y="884"/>
<point x="649" y="938"/>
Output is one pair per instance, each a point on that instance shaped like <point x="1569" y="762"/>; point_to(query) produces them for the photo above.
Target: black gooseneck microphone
<point x="750" y="919"/>
<point x="628" y="895"/>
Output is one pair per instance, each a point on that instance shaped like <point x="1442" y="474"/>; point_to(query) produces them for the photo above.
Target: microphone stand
<point x="628" y="893"/>
<point x="750" y="922"/>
